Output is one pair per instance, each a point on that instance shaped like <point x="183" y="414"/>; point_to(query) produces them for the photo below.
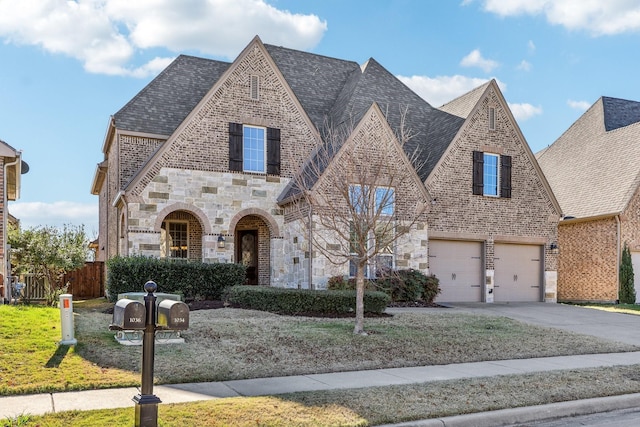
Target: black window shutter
<point x="235" y="147"/>
<point x="478" y="172"/>
<point x="505" y="176"/>
<point x="273" y="151"/>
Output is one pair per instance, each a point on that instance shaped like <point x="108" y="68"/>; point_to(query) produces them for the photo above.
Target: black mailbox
<point x="128" y="315"/>
<point x="173" y="315"/>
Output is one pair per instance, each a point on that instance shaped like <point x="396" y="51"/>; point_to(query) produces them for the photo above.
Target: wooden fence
<point x="86" y="282"/>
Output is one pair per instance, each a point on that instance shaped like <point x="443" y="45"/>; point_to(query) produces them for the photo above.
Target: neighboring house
<point x="594" y="171"/>
<point x="201" y="163"/>
<point x="12" y="167"/>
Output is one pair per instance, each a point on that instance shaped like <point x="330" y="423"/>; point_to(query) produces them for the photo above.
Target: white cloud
<point x="531" y="46"/>
<point x="439" y="90"/>
<point x="106" y="35"/>
<point x="578" y="105"/>
<point x="34" y="214"/>
<point x="475" y="59"/>
<point x="523" y="112"/>
<point x="597" y="17"/>
<point x="524" y="65"/>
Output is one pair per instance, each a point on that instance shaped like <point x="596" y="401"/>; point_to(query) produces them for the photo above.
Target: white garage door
<point x="458" y="265"/>
<point x="635" y="261"/>
<point x="518" y="272"/>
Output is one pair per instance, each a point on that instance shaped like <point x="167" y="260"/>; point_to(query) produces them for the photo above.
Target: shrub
<point x="408" y="285"/>
<point x="191" y="279"/>
<point x="431" y="288"/>
<point x="296" y="301"/>
<point x="627" y="293"/>
<point x="340" y="283"/>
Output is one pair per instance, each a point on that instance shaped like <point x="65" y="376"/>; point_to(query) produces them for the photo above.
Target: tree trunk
<point x="359" y="327"/>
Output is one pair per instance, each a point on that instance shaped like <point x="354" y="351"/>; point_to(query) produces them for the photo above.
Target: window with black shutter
<point x="489" y="170"/>
<point x="248" y="149"/>
<point x="273" y="151"/>
<point x="505" y="176"/>
<point x="235" y="147"/>
<point x="478" y="172"/>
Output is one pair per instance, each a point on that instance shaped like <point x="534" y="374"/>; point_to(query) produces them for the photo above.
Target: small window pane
<point x="254" y="149"/>
<point x="491" y="177"/>
<point x="385" y="198"/>
<point x="176" y="239"/>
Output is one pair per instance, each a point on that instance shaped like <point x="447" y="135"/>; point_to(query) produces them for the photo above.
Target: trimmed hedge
<point x="401" y="285"/>
<point x="191" y="279"/>
<point x="296" y="301"/>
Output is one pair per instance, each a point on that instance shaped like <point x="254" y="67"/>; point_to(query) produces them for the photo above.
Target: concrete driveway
<point x="613" y="326"/>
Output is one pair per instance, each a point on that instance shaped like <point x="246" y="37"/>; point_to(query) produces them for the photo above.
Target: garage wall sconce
<point x="553" y="248"/>
<point x="221" y="241"/>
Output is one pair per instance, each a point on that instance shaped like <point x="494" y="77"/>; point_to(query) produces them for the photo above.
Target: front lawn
<point x="232" y="343"/>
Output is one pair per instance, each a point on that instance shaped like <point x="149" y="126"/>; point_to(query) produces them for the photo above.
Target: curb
<point x="514" y="416"/>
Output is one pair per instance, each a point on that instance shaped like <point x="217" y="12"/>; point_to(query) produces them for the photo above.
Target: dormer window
<point x="254" y="90"/>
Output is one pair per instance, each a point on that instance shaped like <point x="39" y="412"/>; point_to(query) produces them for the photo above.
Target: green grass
<point x="241" y="412"/>
<point x="31" y="361"/>
<point x="232" y="344"/>
<point x="614" y="308"/>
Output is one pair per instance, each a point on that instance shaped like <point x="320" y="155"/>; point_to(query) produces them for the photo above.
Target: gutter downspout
<point x="618" y="254"/>
<point x="5" y="215"/>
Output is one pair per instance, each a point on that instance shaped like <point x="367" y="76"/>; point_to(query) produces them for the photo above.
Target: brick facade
<point x="187" y="177"/>
<point x="529" y="216"/>
<point x="585" y="274"/>
<point x="591" y="251"/>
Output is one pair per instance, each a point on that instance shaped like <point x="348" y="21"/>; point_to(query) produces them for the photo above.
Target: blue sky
<point x="67" y="66"/>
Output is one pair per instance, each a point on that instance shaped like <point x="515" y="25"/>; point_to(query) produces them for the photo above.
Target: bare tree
<point x="358" y="194"/>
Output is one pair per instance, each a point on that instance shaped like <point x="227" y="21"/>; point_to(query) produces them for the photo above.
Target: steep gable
<point x="589" y="166"/>
<point x="201" y="141"/>
<point x="529" y="201"/>
<point x="371" y="155"/>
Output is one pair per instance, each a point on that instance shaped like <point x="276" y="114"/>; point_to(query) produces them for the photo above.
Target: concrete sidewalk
<point x="37" y="404"/>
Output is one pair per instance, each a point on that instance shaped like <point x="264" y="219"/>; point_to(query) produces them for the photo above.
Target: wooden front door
<point x="248" y="254"/>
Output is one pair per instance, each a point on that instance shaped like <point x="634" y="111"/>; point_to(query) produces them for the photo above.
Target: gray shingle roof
<point x="346" y="91"/>
<point x="166" y="101"/>
<point x="620" y="112"/>
<point x="462" y="105"/>
<point x="331" y="91"/>
<point x="592" y="167"/>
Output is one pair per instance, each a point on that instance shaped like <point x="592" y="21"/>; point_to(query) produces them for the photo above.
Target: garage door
<point x="635" y="261"/>
<point x="458" y="265"/>
<point x="518" y="272"/>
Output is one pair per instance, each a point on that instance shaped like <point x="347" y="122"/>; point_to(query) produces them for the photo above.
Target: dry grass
<point x="227" y="344"/>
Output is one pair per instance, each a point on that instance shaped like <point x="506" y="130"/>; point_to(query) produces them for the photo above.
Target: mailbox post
<point x="146" y="401"/>
<point x="133" y="315"/>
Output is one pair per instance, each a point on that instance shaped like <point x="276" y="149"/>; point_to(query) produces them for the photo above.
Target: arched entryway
<point x="181" y="236"/>
<point x="253" y="242"/>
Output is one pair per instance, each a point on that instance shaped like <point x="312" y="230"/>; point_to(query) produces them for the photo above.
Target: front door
<point x="248" y="254"/>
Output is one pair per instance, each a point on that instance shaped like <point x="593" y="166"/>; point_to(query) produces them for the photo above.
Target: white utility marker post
<point x="66" y="318"/>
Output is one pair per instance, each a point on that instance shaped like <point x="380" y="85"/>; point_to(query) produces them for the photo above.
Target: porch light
<point x="553" y="248"/>
<point x="221" y="241"/>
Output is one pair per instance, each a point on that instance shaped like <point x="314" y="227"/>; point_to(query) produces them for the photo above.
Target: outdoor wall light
<point x="221" y="241"/>
<point x="553" y="247"/>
